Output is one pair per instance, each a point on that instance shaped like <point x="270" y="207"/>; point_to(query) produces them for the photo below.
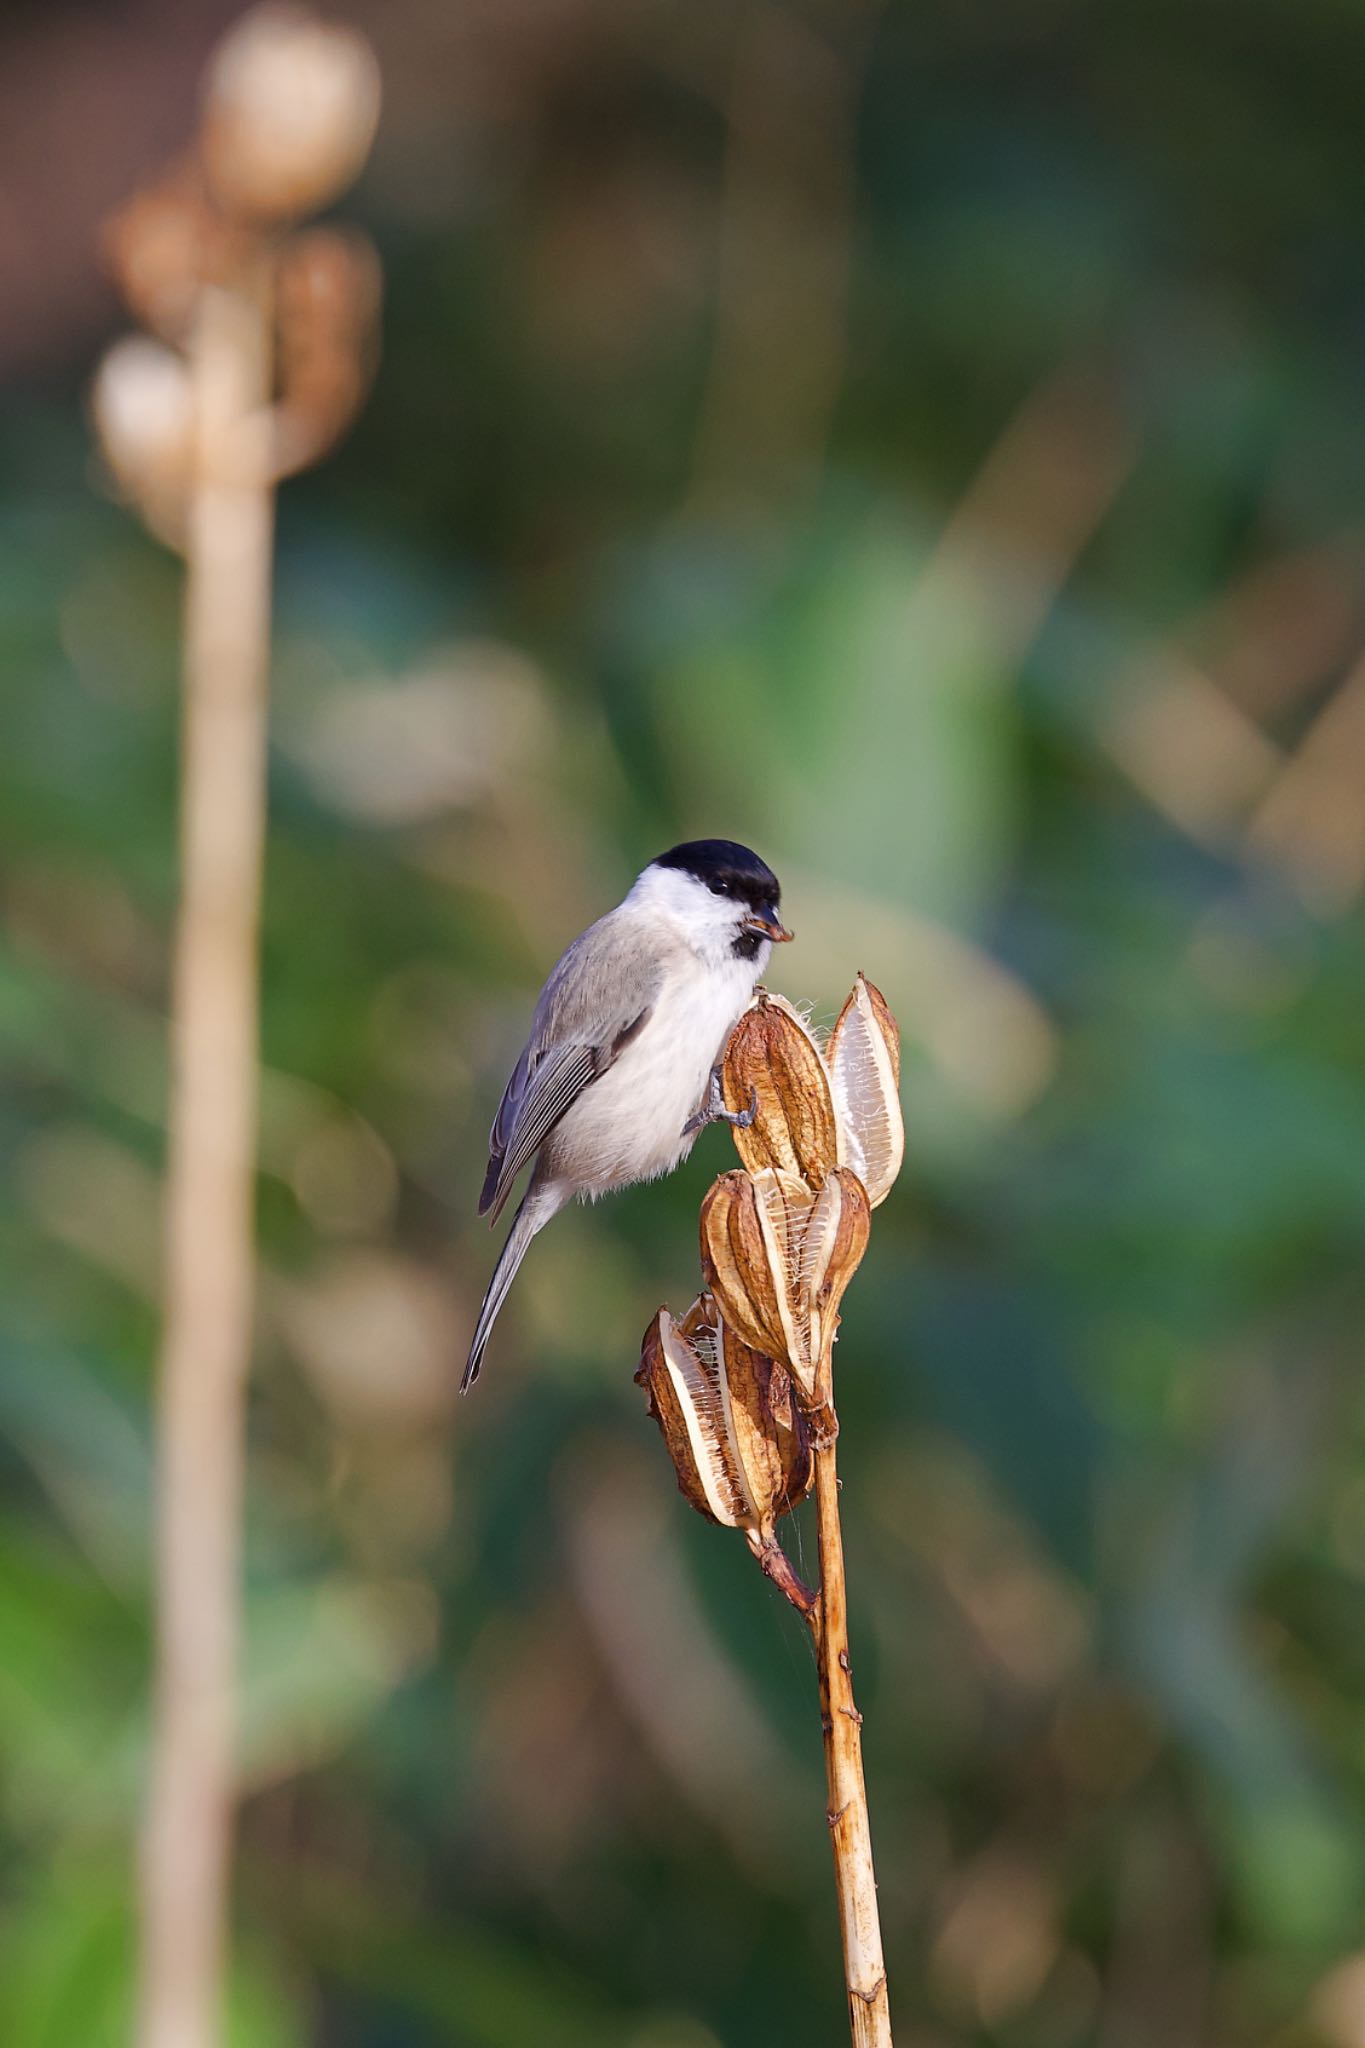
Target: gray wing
<point x="596" y="1001"/>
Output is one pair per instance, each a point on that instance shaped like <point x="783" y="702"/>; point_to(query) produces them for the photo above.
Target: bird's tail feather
<point x="537" y="1207"/>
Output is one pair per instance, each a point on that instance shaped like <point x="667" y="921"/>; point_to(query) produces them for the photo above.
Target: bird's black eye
<point x="717" y="888"/>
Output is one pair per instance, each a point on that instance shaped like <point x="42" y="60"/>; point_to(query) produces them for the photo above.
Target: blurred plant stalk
<point x="261" y="362"/>
<point x="742" y="1387"/>
<point x="211" y="1169"/>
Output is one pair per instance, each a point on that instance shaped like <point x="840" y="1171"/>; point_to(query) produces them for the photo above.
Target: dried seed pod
<point x="863" y="1057"/>
<point x="291" y="106"/>
<point x="770" y="1430"/>
<point x="734" y="1257"/>
<point x="164" y="244"/>
<point x="142" y="402"/>
<point x="773" y="1061"/>
<point x="778" y="1256"/>
<point x="327" y="291"/>
<point x="832" y="1249"/>
<point x="739" y="1445"/>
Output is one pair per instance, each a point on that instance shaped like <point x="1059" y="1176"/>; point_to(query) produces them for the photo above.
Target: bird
<point x="622" y="1067"/>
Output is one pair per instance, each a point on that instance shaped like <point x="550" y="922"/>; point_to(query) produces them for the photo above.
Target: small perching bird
<point x="621" y="1068"/>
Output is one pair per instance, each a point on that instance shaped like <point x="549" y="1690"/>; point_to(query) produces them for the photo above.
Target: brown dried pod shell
<point x="770" y="1434"/>
<point x="778" y="1256"/>
<point x="739" y="1445"/>
<point x="833" y="1248"/>
<point x="734" y="1257"/>
<point x="773" y="1063"/>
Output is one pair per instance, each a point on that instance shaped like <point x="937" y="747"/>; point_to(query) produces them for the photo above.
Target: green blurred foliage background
<point x="924" y="443"/>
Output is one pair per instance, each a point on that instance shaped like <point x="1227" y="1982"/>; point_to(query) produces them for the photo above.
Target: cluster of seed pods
<point x="742" y="1385"/>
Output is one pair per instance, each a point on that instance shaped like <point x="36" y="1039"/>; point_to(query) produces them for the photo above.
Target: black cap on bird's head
<point x="728" y="869"/>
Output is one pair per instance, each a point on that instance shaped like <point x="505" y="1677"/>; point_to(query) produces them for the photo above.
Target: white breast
<point x="629" y="1125"/>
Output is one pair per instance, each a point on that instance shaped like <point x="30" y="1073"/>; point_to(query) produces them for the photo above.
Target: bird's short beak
<point x="768" y="925"/>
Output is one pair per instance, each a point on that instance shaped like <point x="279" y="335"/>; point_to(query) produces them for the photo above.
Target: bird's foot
<point x="713" y="1110"/>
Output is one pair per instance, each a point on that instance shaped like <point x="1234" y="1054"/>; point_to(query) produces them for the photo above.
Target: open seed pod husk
<point x="737" y="1440"/>
<point x="863" y="1058"/>
<point x="772" y="1060"/>
<point x="778" y="1255"/>
<point x="735" y="1261"/>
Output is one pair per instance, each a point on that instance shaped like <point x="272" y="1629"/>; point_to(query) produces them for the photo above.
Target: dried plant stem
<point x="869" y="2010"/>
<point x="209" y="1237"/>
<point x="774" y="1562"/>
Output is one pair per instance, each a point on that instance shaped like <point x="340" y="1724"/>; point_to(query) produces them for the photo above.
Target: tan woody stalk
<point x="209" y="1259"/>
<point x="262" y="359"/>
<point x="780" y="1241"/>
<point x="846" y="1810"/>
<point x="861" y="1067"/>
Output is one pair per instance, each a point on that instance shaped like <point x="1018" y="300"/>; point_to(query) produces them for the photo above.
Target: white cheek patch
<point x="710" y="922"/>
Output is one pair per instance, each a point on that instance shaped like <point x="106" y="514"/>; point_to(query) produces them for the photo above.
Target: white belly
<point x="629" y="1125"/>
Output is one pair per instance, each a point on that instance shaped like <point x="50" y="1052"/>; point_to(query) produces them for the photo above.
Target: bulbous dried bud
<point x="327" y="292"/>
<point x="142" y="401"/>
<point x="327" y="287"/>
<point x="863" y="1056"/>
<point x="772" y="1057"/>
<point x="164" y="244"/>
<point x="738" y="1443"/>
<point x="778" y="1255"/>
<point x="291" y="106"/>
<point x="144" y="409"/>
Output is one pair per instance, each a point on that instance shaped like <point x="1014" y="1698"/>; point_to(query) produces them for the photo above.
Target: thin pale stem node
<point x="206" y="1339"/>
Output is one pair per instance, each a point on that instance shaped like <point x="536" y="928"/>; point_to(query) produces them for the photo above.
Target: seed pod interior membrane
<point x="863" y="1057"/>
<point x="693" y="1364"/>
<point x="784" y="1207"/>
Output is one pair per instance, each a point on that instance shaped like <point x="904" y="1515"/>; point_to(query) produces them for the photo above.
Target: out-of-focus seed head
<point x="327" y="285"/>
<point x="778" y="1255"/>
<point x="863" y="1056"/>
<point x="163" y="245"/>
<point x="142" y="401"/>
<point x="327" y="292"/>
<point x="144" y="409"/>
<point x="738" y="1444"/>
<point x="771" y="1057"/>
<point x="291" y="105"/>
